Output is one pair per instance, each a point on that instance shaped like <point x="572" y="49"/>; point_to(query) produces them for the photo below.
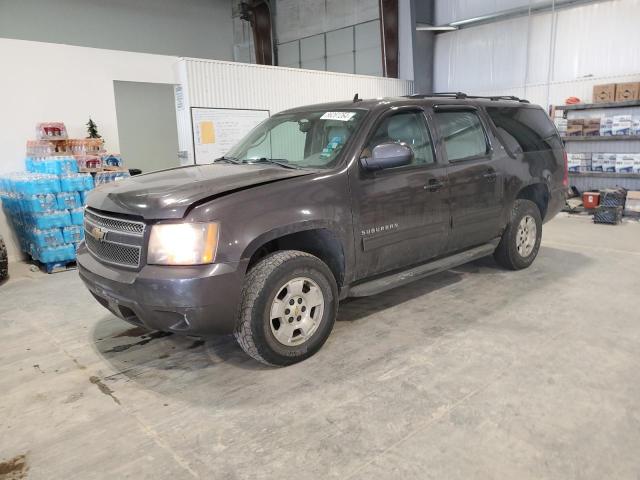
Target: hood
<point x="169" y="193"/>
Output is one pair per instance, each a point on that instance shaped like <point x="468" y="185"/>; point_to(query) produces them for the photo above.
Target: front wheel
<point x="520" y="241"/>
<point x="289" y="305"/>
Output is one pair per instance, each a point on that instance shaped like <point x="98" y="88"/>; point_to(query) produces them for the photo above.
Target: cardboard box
<point x="627" y="91"/>
<point x="579" y="162"/>
<point x="591" y="127"/>
<point x="575" y="127"/>
<point x="623" y="118"/>
<point x="604" y="93"/>
<point x="605" y="126"/>
<point x="622" y="125"/>
<point x="625" y="162"/>
<point x="603" y="162"/>
<point x="632" y="205"/>
<point x="621" y="128"/>
<point x="561" y="125"/>
<point x="574" y="131"/>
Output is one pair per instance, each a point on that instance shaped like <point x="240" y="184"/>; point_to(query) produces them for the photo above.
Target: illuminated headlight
<point x="183" y="243"/>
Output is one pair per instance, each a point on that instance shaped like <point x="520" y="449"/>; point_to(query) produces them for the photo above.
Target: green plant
<point x="92" y="129"/>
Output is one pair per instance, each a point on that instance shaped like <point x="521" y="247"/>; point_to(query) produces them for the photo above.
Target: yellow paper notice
<point x="207" y="133"/>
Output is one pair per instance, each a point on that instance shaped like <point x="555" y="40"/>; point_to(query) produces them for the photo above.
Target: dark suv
<point x="321" y="203"/>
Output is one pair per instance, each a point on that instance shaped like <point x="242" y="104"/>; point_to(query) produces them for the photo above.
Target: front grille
<point x="116" y="224"/>
<point x="114" y="240"/>
<point x="113" y="252"/>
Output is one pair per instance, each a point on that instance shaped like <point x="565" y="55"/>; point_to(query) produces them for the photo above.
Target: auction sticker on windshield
<point x="341" y="116"/>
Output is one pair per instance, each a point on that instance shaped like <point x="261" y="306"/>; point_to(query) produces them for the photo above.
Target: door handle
<point x="490" y="176"/>
<point x="434" y="185"/>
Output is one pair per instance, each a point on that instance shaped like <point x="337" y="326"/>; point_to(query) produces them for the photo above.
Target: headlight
<point x="183" y="243"/>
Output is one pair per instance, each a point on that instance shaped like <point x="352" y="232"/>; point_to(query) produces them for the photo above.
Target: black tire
<point x="4" y="261"/>
<point x="506" y="254"/>
<point x="264" y="281"/>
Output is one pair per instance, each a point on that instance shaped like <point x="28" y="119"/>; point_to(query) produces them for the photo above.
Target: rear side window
<point x="463" y="135"/>
<point x="525" y="129"/>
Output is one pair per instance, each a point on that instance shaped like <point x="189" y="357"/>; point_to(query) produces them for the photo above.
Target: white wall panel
<point x="539" y="43"/>
<point x="558" y="92"/>
<point x="481" y="57"/>
<point x="600" y="39"/>
<point x="471" y="55"/>
<point x="448" y="11"/>
<point x="443" y="62"/>
<point x="586" y="45"/>
<point x="509" y="53"/>
<point x="209" y="83"/>
<point x="50" y="82"/>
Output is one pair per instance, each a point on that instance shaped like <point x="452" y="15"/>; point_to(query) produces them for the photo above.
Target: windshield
<point x="299" y="140"/>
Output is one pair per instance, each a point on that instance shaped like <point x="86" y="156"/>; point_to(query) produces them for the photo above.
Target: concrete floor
<point x="473" y="373"/>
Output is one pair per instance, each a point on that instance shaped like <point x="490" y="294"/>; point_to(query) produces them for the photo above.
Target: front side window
<point x="408" y="128"/>
<point x="463" y="135"/>
<point x="301" y="140"/>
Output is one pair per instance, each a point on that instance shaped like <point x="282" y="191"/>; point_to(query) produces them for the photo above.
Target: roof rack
<point x="463" y="96"/>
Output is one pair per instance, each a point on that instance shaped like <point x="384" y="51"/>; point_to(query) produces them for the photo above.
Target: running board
<point x="373" y="287"/>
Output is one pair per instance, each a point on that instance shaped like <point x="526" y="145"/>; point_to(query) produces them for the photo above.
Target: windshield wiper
<point x="235" y="161"/>
<point x="275" y="161"/>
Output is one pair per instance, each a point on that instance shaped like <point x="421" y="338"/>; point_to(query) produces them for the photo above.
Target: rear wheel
<point x="520" y="241"/>
<point x="289" y="305"/>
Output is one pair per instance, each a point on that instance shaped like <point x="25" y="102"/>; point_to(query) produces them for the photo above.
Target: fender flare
<point x="283" y="230"/>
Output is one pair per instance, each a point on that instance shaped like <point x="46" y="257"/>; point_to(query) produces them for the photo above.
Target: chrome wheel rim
<point x="296" y="311"/>
<point x="526" y="236"/>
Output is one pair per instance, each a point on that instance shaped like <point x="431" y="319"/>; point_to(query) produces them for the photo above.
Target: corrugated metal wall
<point x="585" y="183"/>
<point x="217" y="84"/>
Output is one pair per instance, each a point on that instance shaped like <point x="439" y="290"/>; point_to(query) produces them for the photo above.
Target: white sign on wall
<point x="216" y="130"/>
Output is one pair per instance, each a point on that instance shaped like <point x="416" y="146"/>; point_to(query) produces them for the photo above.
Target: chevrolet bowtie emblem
<point x="98" y="233"/>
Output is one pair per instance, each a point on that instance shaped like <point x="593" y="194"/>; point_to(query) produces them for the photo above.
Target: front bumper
<point x="199" y="300"/>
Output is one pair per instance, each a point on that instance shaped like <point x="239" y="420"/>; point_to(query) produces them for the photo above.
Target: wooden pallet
<point x="57" y="267"/>
<point x="53" y="267"/>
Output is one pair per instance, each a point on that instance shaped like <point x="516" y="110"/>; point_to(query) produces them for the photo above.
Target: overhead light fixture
<point x="423" y="27"/>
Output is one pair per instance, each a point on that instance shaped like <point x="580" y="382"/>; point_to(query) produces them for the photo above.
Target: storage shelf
<point x="595" y="106"/>
<point x="604" y="174"/>
<point x="602" y="138"/>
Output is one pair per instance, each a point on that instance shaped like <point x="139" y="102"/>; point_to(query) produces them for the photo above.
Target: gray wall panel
<point x="303" y="18"/>
<point x="192" y="28"/>
<point x="147" y="125"/>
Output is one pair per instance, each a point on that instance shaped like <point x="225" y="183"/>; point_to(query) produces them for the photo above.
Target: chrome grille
<point x="113" y="252"/>
<point x="114" y="240"/>
<point x="116" y="224"/>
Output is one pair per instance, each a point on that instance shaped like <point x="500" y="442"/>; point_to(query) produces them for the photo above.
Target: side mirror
<point x="388" y="155"/>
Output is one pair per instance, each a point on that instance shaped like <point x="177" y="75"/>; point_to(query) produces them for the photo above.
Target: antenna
<point x="356" y="98"/>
